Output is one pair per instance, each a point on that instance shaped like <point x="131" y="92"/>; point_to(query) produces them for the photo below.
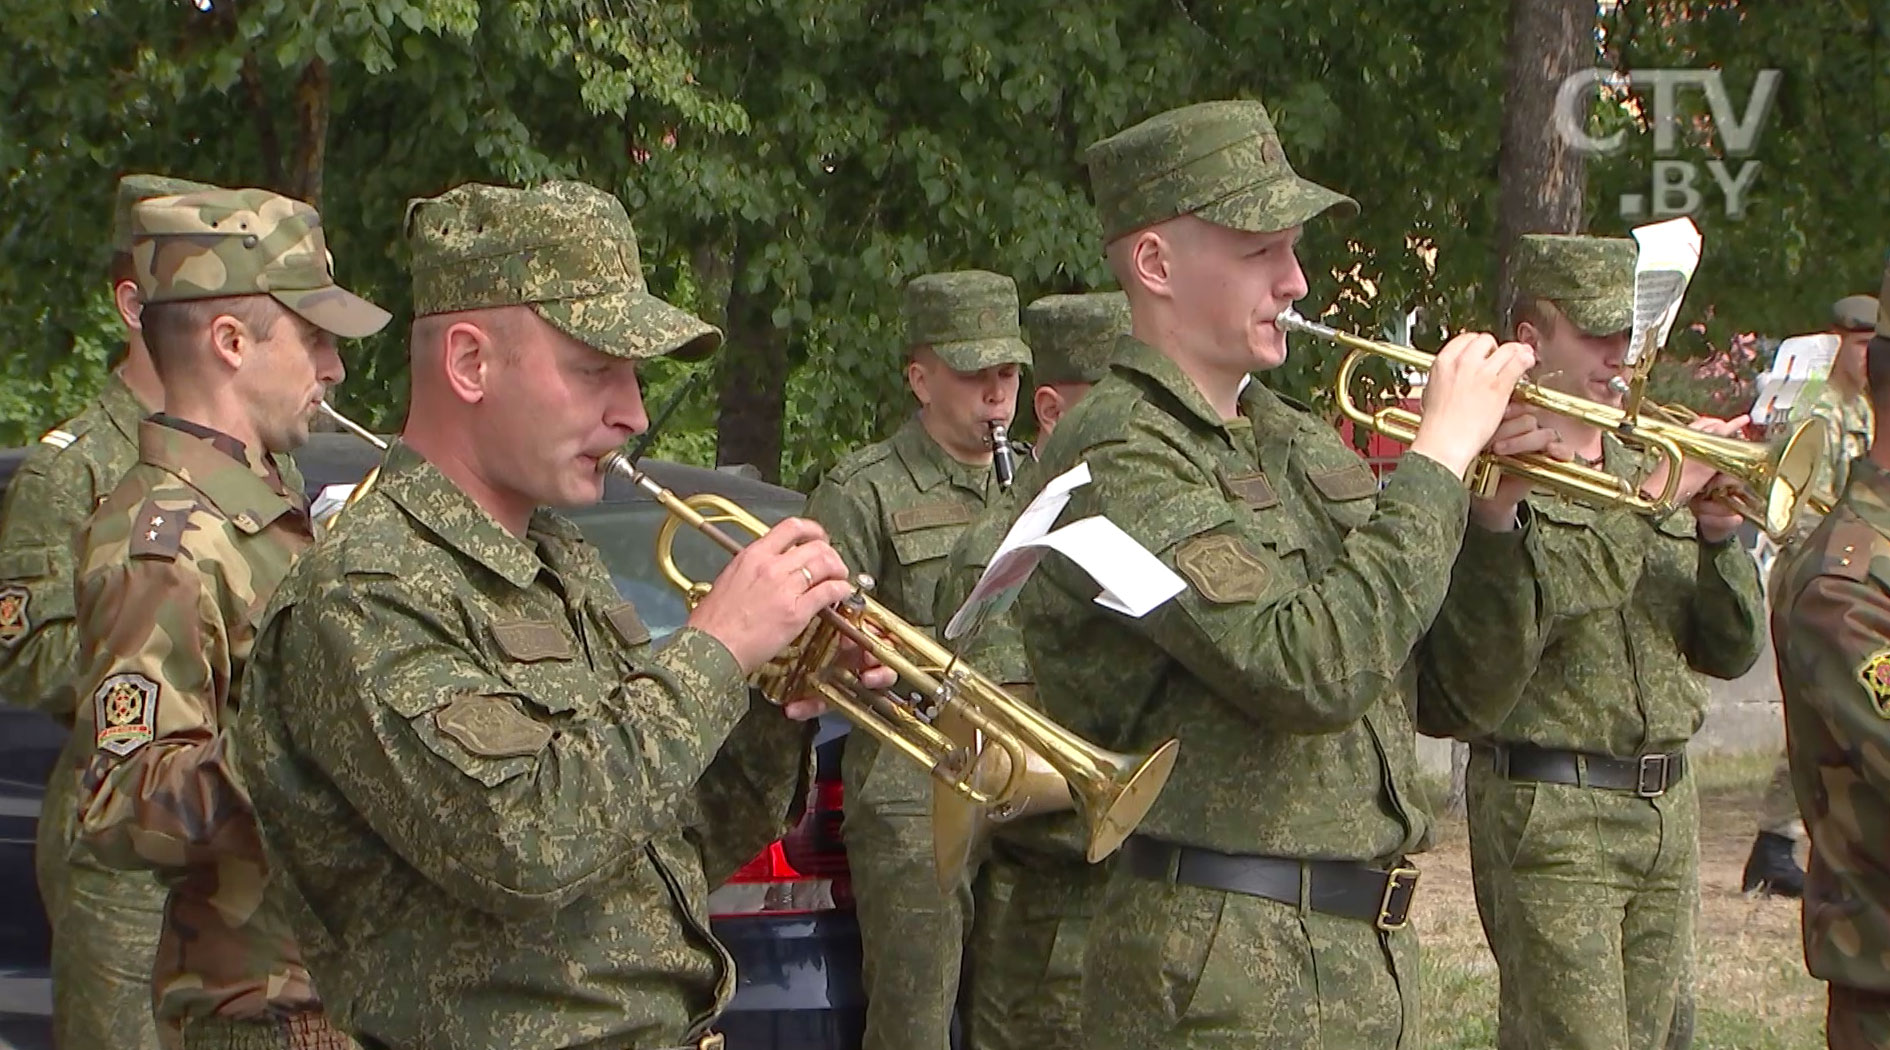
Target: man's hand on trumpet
<point x="1520" y="433"/>
<point x="1696" y="477"/>
<point x="1466" y="397"/>
<point x="1716" y="518"/>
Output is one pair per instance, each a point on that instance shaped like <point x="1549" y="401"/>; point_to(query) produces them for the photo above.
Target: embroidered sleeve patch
<point x="1223" y="568"/>
<point x="13" y="621"/>
<point x="1874" y="673"/>
<point x="124" y="706"/>
<point x="491" y="727"/>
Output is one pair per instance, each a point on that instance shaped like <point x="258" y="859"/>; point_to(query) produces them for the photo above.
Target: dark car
<point x="787" y="916"/>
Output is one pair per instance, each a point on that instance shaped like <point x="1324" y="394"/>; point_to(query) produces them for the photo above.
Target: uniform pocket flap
<point x="31" y="563"/>
<point x="924" y="544"/>
<point x="1350" y="482"/>
<point x="931" y="516"/>
<point x="530" y="641"/>
<point x="630" y="627"/>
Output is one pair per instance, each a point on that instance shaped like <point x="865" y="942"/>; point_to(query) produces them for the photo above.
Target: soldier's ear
<point x="467" y="357"/>
<point x="230" y="339"/>
<point x="129" y="303"/>
<point x="917" y="376"/>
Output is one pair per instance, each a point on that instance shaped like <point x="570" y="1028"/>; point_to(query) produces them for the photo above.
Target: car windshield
<point x="625" y="534"/>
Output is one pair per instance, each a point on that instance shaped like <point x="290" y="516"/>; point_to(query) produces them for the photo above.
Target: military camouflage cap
<point x="967" y="317"/>
<point x="1854" y="313"/>
<point x="565" y="249"/>
<point x="1221" y="161"/>
<point x="214" y="243"/>
<point x="1072" y="337"/>
<point x="140" y="187"/>
<point x="1590" y="279"/>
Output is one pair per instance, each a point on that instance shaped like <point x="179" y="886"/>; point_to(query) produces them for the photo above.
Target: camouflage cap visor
<point x="1600" y="315"/>
<point x="632" y="323"/>
<point x="1244" y="185"/>
<point x="1275" y="205"/>
<point x="971" y="355"/>
<point x="333" y="308"/>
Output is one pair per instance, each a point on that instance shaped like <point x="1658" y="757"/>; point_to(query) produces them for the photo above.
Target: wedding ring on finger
<point x="809" y="576"/>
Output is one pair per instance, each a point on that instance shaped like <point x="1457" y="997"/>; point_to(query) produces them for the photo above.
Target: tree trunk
<point x="311" y="126"/>
<point x="1540" y="175"/>
<point x="751" y="382"/>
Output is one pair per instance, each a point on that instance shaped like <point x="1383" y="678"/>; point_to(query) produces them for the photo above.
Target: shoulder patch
<point x="124" y="707"/>
<point x="157" y="532"/>
<point x="1223" y="568"/>
<point x="858" y="460"/>
<point x="491" y="727"/>
<point x="1874" y="675"/>
<point x="14" y="623"/>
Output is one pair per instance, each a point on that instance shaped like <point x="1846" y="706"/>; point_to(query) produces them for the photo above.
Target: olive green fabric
<point x="1590" y="279"/>
<point x="137" y="187"/>
<point x="1072" y="337"/>
<point x="967" y="317"/>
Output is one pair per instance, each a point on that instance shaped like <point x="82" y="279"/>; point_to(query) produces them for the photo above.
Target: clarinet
<point x="1002" y="461"/>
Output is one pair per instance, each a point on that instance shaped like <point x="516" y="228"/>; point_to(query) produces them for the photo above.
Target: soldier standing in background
<point x="104" y="921"/>
<point x="894" y="510"/>
<point x="1034" y="892"/>
<point x="241" y="314"/>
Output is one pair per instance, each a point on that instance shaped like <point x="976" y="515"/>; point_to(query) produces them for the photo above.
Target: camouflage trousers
<point x="912" y="935"/>
<point x="1023" y="982"/>
<point x="1587" y="898"/>
<point x="1180" y="966"/>
<point x="1857" y="1019"/>
<point x="308" y="1031"/>
<point x="1778" y="808"/>
<point x="105" y="925"/>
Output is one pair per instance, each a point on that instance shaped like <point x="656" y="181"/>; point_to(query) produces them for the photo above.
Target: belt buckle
<point x="710" y="1041"/>
<point x="1394" y="908"/>
<point x="1650" y="779"/>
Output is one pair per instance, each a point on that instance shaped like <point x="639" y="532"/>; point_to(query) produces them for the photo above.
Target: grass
<point x="1750" y="982"/>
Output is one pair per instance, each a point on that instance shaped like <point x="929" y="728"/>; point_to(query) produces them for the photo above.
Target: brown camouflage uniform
<point x="894" y="510"/>
<point x="1831" y="626"/>
<point x="503" y="807"/>
<point x="104" y="922"/>
<point x="173" y="573"/>
<point x="1034" y="892"/>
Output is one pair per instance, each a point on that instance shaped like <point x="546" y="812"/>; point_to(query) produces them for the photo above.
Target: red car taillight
<point x="803" y="872"/>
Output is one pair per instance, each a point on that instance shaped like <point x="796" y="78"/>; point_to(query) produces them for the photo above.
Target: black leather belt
<point x="1649" y="776"/>
<point x="1335" y="887"/>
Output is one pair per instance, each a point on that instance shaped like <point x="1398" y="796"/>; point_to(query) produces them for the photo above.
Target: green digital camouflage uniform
<point x="1284" y="667"/>
<point x="173" y="572"/>
<point x="1831" y="626"/>
<point x="1035" y="890"/>
<point x="1581" y="632"/>
<point x="104" y="922"/>
<point x="503" y="808"/>
<point x="893" y="510"/>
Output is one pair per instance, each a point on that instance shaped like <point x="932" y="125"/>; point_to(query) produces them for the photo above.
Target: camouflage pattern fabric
<point x="1285" y="671"/>
<point x="502" y="808"/>
<point x="1778" y="806"/>
<point x="1857" y="1020"/>
<point x="1034" y="891"/>
<point x="141" y="187"/>
<point x="1831" y="625"/>
<point x="967" y="317"/>
<point x="1072" y="337"/>
<point x="104" y="921"/>
<point x="565" y="249"/>
<point x="1848" y="422"/>
<point x="1590" y="279"/>
<point x="1221" y="161"/>
<point x="174" y="568"/>
<point x="894" y="510"/>
<point x="1586" y="894"/>
<point x="215" y="243"/>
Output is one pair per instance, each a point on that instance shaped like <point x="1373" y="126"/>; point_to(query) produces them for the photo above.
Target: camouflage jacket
<point x="894" y="509"/>
<point x="1285" y="666"/>
<point x="63" y="480"/>
<point x="174" y="571"/>
<point x="503" y="810"/>
<point x="1583" y="629"/>
<point x="1831" y="622"/>
<point x="1848" y="423"/>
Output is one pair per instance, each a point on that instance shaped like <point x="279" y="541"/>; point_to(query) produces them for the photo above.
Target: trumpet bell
<point x="1792" y="466"/>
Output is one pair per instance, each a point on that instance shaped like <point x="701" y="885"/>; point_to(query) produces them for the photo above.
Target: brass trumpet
<point x="1111" y="791"/>
<point x="1775" y="475"/>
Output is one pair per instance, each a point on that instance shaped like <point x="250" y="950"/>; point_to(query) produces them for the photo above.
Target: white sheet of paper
<point x="1669" y="253"/>
<point x="1801" y="362"/>
<point x="331" y="497"/>
<point x="1133" y="580"/>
